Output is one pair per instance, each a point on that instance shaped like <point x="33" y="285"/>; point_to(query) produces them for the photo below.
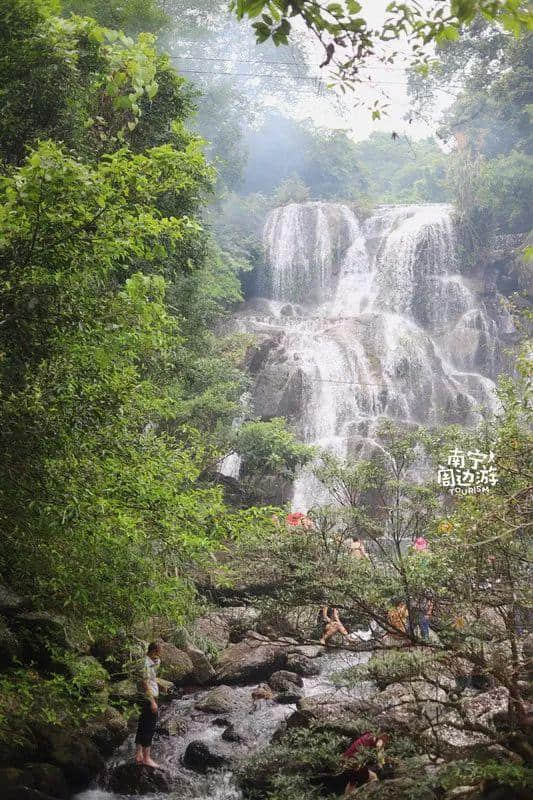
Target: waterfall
<point x="367" y="319"/>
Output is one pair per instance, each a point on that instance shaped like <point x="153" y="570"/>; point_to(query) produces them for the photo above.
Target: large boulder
<point x="119" y="654"/>
<point x="138" y="779"/>
<point x="285" y="681"/>
<point x="217" y="626"/>
<point x="200" y="758"/>
<point x="45" y="778"/>
<point x="107" y="730"/>
<point x="302" y="664"/>
<point x="40" y="633"/>
<point x="176" y="664"/>
<point x="75" y="754"/>
<point x="308" y="650"/>
<point x="25" y="793"/>
<point x="483" y="708"/>
<point x="341" y="716"/>
<point x="10" y="603"/>
<point x="409" y="706"/>
<point x="10" y="648"/>
<point x="203" y="671"/>
<point x="253" y="659"/>
<point x="220" y="700"/>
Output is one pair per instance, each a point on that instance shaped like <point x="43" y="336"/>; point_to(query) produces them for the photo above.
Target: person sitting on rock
<point x="332" y="624"/>
<point x="149" y="691"/>
<point x="360" y="772"/>
<point x="398" y="617"/>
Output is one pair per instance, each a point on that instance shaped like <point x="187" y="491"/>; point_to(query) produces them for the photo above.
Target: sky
<point x="386" y="83"/>
<point x="262" y="70"/>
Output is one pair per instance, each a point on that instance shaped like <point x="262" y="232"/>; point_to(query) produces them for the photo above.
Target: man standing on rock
<point x="149" y="689"/>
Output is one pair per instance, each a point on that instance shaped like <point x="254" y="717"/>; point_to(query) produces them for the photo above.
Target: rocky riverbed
<point x="204" y="734"/>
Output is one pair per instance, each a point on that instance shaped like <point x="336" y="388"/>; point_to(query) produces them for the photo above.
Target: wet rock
<point x="216" y="626"/>
<point x="283" y="681"/>
<point x="221" y="722"/>
<point x="11" y="777"/>
<point x="138" y="779"/>
<point x="289" y="697"/>
<point x="301" y="664"/>
<point x="173" y="726"/>
<point x="253" y="659"/>
<point x="46" y="778"/>
<point x="176" y="665"/>
<point x="10" y="648"/>
<point x="233" y="734"/>
<point x="203" y="671"/>
<point x="10" y="602"/>
<point x="74" y="753"/>
<point x="218" y="701"/>
<point x="308" y="650"/>
<point x="25" y="793"/>
<point x="200" y="758"/>
<point x="107" y="730"/>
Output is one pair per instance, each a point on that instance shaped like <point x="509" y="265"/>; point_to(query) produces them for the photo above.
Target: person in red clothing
<point x="359" y="773"/>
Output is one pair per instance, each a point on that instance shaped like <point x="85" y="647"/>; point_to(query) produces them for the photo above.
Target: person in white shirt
<point x="149" y="690"/>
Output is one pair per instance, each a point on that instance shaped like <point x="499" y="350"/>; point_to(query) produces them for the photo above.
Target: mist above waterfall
<point x="367" y="319"/>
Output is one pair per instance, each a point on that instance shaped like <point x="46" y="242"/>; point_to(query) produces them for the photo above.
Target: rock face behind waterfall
<point x="359" y="320"/>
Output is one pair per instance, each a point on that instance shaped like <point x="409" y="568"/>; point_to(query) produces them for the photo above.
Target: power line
<point x="279" y="75"/>
<point x="270" y="63"/>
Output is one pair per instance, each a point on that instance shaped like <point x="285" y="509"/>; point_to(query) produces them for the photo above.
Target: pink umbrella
<point x="421" y="543"/>
<point x="295" y="518"/>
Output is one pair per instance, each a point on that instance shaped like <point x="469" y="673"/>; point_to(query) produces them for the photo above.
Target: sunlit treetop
<point x="350" y="43"/>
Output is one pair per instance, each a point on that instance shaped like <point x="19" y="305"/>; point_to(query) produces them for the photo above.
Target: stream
<point x="181" y="723"/>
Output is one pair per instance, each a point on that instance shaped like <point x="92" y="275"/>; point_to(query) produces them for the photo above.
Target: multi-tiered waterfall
<point x="357" y="320"/>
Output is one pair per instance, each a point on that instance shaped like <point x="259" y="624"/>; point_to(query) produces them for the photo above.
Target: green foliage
<point x="132" y="16"/>
<point x="324" y="160"/>
<point x="349" y="42"/>
<point x="490" y="119"/>
<point x="400" y="171"/>
<point x="493" y="195"/>
<point x="270" y="448"/>
<point x="114" y="391"/>
<point x="291" y="190"/>
<point x="29" y="699"/>
<point x="293" y="766"/>
<point x="91" y="86"/>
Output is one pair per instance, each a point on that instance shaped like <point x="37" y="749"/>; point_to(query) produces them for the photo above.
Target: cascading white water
<point x="376" y="320"/>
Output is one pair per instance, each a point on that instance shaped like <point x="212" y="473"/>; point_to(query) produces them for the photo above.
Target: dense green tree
<point x="349" y="42"/>
<point x="131" y="16"/>
<point x="490" y="123"/>
<point x="114" y="391"/>
<point x="398" y="170"/>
